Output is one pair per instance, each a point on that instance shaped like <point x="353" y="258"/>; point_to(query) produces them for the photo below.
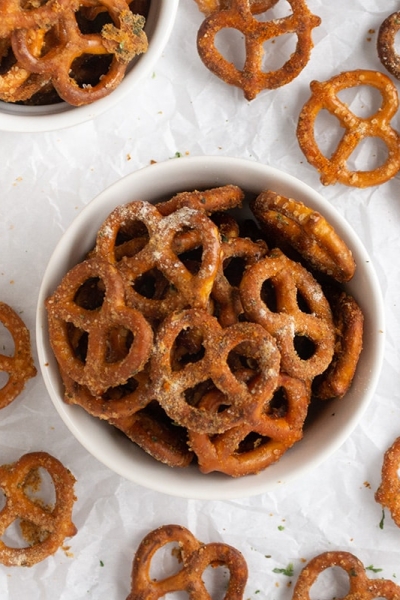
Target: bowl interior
<point x="159" y="24"/>
<point x="322" y="437"/>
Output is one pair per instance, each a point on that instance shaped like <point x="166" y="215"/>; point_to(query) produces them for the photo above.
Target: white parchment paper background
<point x="47" y="178"/>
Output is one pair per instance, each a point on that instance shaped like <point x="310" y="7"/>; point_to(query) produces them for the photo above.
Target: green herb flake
<point x="381" y="523"/>
<point x="101" y="563"/>
<point x="373" y="569"/>
<point x="281" y="527"/>
<point x="288" y="571"/>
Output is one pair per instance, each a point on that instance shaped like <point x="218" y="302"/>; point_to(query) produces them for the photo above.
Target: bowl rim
<point x="214" y="486"/>
<point x="34" y="119"/>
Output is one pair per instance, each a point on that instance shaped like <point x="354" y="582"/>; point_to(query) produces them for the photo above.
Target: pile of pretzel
<point x="202" y="337"/>
<point x="77" y="51"/>
<point x="254" y="76"/>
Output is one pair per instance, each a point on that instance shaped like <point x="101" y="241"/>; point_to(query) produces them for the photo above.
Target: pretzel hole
<point x="7" y="345"/>
<point x="216" y="580"/>
<point x="277" y="51"/>
<point x="369" y="154"/>
<point x="78" y="340"/>
<point x="304" y="347"/>
<point x="362" y="100"/>
<point x="333" y="582"/>
<point x="230" y="42"/>
<point x="187" y="348"/>
<point x="87" y="70"/>
<point x="268" y="295"/>
<point x="328" y="132"/>
<point x="278" y="405"/>
<point x="302" y="303"/>
<point x="234" y="269"/>
<point x="119" y="342"/>
<point x="152" y="285"/>
<point x="279" y="11"/>
<point x="90" y="295"/>
<point x="166" y="561"/>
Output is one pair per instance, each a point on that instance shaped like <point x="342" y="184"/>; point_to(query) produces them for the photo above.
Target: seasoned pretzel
<point x="225" y="292"/>
<point x="289" y="322"/>
<point x="388" y="492"/>
<point x="119" y="402"/>
<point x="349" y="327"/>
<point x="248" y="449"/>
<point x="171" y="381"/>
<point x="360" y="586"/>
<point x="324" y="95"/>
<point x="20" y="366"/>
<point x="212" y="200"/>
<point x="157" y="435"/>
<point x="307" y="231"/>
<point x="44" y="527"/>
<point x="184" y="287"/>
<point x="16" y="83"/>
<point x="123" y="39"/>
<point x="96" y="371"/>
<point x="195" y="557"/>
<point x="252" y="79"/>
<point x="18" y="14"/>
<point x="386" y="44"/>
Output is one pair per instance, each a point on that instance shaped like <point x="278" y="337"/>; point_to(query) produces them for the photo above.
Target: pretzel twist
<point x="277" y="430"/>
<point x="52" y="525"/>
<point x="360" y="586"/>
<point x="96" y="371"/>
<point x="324" y="95"/>
<point x="195" y="556"/>
<point x="184" y="287"/>
<point x="172" y="381"/>
<point x="252" y="78"/>
<point x="289" y="322"/>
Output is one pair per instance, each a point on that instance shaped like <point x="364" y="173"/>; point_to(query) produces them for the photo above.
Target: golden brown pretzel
<point x="324" y="95"/>
<point x="195" y="557"/>
<point x="19" y="367"/>
<point x="252" y="79"/>
<point x="248" y="449"/>
<point x="388" y="492"/>
<point x="288" y="322"/>
<point x="360" y="586"/>
<point x="171" y="381"/>
<point x="349" y="328"/>
<point x="95" y="370"/>
<point x="16" y="83"/>
<point x="44" y="527"/>
<point x="17" y="14"/>
<point x="123" y="40"/>
<point x="307" y="231"/>
<point x="184" y="287"/>
<point x="386" y="44"/>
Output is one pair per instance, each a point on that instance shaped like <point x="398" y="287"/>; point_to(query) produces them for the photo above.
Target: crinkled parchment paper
<point x="46" y="180"/>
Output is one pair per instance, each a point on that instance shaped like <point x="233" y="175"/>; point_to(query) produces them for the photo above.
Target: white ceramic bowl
<point x="323" y="437"/>
<point x="52" y="117"/>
